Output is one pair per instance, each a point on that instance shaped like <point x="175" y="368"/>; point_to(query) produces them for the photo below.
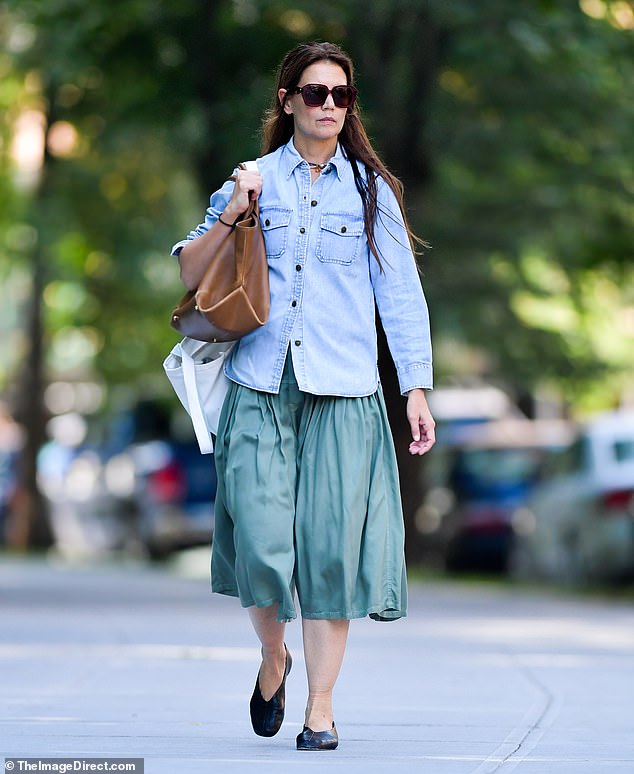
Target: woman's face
<point x="317" y="123"/>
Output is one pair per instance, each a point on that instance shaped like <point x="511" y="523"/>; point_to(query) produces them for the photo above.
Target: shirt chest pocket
<point x="340" y="237"/>
<point x="274" y="221"/>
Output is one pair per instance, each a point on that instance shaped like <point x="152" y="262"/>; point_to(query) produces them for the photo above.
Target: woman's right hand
<point x="246" y="183"/>
<point x="195" y="256"/>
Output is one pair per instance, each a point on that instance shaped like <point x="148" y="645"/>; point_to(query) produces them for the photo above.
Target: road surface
<point x="135" y="661"/>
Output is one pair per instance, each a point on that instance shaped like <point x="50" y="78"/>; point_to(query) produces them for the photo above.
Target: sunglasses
<point x="315" y="94"/>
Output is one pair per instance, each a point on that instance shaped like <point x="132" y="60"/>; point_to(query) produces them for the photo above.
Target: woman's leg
<point x="324" y="648"/>
<point x="270" y="632"/>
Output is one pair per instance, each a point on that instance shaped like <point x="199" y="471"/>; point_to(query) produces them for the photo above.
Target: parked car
<point x="489" y="470"/>
<point x="174" y="492"/>
<point x="136" y="488"/>
<point x="578" y="524"/>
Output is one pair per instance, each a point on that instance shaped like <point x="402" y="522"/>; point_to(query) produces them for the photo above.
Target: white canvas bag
<point x="196" y="371"/>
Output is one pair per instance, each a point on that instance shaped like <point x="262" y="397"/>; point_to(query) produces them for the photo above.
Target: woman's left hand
<point x="421" y="422"/>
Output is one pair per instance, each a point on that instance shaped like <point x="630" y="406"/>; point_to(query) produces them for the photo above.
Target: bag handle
<point x="203" y="436"/>
<point x="252" y="207"/>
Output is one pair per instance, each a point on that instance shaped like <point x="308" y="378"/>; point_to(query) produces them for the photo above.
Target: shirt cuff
<point x="416" y="376"/>
<point x="176" y="249"/>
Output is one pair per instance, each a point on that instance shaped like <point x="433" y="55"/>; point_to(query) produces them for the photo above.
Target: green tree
<point x="508" y="122"/>
<point x="101" y="90"/>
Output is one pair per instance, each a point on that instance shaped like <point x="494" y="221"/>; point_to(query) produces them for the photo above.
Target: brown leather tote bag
<point x="233" y="297"/>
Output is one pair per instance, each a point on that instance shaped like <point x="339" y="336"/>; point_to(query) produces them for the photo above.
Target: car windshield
<point x="499" y="465"/>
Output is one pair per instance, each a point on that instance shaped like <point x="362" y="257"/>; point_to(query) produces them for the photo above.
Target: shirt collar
<point x="292" y="159"/>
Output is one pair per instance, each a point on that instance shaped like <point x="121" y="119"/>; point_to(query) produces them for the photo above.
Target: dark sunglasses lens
<point x="343" y="96"/>
<point x="314" y="95"/>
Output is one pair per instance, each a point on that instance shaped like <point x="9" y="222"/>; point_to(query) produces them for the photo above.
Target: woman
<point x="308" y="499"/>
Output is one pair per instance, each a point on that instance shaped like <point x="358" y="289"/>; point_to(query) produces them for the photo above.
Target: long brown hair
<point x="278" y="127"/>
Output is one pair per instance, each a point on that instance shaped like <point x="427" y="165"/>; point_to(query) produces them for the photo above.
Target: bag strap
<point x="203" y="436"/>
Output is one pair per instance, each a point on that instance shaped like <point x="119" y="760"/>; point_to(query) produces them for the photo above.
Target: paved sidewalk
<point x="132" y="661"/>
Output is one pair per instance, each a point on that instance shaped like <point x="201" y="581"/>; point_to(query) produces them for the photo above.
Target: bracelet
<point x="228" y="225"/>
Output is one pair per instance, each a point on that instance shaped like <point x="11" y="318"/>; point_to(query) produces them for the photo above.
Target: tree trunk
<point x="416" y="39"/>
<point x="28" y="524"/>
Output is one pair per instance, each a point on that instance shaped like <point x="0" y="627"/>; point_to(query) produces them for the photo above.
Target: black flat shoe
<point x="267" y="716"/>
<point x="318" y="740"/>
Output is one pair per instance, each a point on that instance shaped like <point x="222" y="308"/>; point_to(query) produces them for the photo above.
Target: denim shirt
<point x="324" y="282"/>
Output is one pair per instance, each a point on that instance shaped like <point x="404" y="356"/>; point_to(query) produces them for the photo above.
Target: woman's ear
<point x="281" y="95"/>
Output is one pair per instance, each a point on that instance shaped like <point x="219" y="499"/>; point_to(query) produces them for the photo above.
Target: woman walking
<point x="308" y="503"/>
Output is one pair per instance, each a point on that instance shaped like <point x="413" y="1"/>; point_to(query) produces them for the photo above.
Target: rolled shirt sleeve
<point x="217" y="203"/>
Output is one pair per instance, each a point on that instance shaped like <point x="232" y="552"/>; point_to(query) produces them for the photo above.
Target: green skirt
<point x="308" y="501"/>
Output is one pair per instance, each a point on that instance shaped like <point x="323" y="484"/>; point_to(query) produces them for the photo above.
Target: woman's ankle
<point x="272" y="671"/>
<point x="319" y="716"/>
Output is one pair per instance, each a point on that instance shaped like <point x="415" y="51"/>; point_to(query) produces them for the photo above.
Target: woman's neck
<point x="315" y="152"/>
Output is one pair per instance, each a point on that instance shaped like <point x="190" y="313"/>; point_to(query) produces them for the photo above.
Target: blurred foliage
<point x="510" y="124"/>
<point x="531" y="204"/>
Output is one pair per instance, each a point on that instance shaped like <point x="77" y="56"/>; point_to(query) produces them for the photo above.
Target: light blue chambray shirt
<point x="324" y="281"/>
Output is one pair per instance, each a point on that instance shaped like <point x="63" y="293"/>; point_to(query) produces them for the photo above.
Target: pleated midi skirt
<point x="308" y="505"/>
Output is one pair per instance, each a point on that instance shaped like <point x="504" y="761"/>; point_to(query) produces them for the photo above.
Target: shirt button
<point x="343" y="229"/>
<point x="294" y="303"/>
<point x="302" y="230"/>
<point x="298" y="267"/>
<point x="313" y="203"/>
<point x="267" y="222"/>
<point x="297" y="342"/>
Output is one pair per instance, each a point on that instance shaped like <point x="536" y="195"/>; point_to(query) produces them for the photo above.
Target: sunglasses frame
<point x="300" y="90"/>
